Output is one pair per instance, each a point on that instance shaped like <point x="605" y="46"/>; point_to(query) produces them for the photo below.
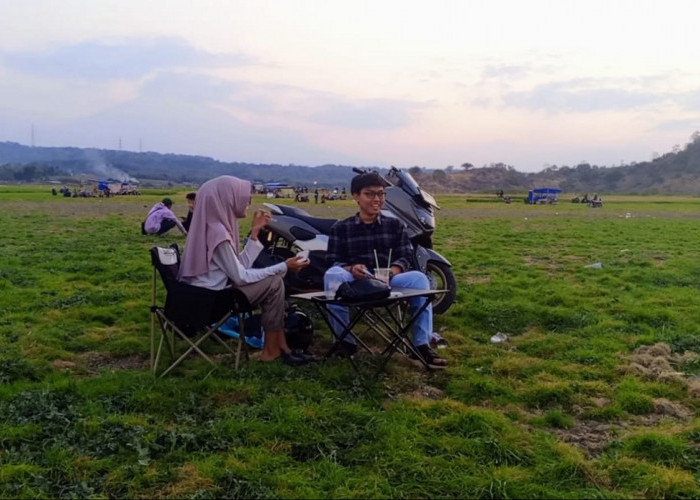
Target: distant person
<point x="161" y="219"/>
<point x="187" y="220"/>
<point x="316" y="196"/>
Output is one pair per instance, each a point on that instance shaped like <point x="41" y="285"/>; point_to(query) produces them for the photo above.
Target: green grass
<point x="81" y="416"/>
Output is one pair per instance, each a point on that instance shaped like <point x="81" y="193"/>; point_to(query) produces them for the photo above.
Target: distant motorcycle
<point x="293" y="230"/>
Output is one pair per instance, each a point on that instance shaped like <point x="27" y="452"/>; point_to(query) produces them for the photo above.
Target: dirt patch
<point x="593" y="437"/>
<point x="590" y="436"/>
<point x="694" y="387"/>
<point x="62" y="364"/>
<point x="428" y="392"/>
<point x="653" y="362"/>
<point x="663" y="406"/>
<point x="96" y="362"/>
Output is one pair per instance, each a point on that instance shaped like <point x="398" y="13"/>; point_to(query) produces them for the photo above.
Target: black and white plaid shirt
<point x="354" y="242"/>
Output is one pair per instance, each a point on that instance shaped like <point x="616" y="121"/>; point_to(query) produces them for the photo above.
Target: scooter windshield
<point x="409" y="185"/>
<point x="407" y="182"/>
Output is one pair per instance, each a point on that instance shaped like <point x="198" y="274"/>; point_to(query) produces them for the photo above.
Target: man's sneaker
<point x="434" y="361"/>
<point x="344" y="349"/>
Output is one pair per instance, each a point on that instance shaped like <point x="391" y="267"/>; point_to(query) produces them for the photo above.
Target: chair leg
<point x="154" y="365"/>
<point x="156" y="352"/>
<point x="153" y="318"/>
<point x="241" y="341"/>
<point x="193" y="347"/>
<point x="167" y="339"/>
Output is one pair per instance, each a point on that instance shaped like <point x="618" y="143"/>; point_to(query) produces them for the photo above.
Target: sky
<point x="433" y="83"/>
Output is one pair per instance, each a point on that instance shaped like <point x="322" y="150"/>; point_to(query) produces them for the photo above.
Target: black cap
<point x="365" y="180"/>
<point x="167" y="202"/>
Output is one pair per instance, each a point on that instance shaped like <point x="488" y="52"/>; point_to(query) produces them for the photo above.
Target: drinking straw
<point x="388" y="263"/>
<point x="376" y="258"/>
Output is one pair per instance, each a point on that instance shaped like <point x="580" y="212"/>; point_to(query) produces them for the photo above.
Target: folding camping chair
<point x="190" y="314"/>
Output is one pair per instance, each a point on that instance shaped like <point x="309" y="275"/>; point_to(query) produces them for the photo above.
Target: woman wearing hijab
<point x="212" y="259"/>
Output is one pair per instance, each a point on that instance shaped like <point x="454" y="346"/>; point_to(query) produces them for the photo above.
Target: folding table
<point x="383" y="311"/>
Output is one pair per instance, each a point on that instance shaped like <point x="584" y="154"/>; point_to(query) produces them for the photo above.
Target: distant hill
<point x="26" y="163"/>
<point x="676" y="172"/>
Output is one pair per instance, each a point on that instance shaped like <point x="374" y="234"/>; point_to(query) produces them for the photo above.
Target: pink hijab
<point x="220" y="203"/>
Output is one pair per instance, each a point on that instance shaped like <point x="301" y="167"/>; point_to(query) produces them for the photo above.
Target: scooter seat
<point x="319" y="223"/>
<point x="322" y="224"/>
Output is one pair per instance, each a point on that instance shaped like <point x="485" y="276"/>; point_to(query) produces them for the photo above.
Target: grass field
<point x="594" y="394"/>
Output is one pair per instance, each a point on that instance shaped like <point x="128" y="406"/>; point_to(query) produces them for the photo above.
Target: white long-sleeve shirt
<point x="225" y="266"/>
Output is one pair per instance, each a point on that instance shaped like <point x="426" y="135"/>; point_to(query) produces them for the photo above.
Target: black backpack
<point x="298" y="329"/>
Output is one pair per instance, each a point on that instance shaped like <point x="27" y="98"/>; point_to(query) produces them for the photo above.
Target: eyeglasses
<point x="374" y="194"/>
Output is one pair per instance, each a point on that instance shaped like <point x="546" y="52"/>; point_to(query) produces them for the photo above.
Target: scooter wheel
<point x="442" y="277"/>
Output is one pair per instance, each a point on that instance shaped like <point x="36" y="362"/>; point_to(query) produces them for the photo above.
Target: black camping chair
<point x="191" y="314"/>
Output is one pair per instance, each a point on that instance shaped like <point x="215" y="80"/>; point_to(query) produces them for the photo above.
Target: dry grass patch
<point x="478" y="280"/>
<point x="189" y="481"/>
<point x="657" y="362"/>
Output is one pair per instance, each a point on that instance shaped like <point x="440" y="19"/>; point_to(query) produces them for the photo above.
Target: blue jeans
<point x="422" y="328"/>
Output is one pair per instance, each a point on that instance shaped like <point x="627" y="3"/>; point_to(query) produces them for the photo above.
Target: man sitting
<point x="354" y="246"/>
<point x="161" y="219"/>
<point x="187" y="220"/>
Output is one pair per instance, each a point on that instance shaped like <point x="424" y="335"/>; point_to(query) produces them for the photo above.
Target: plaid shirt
<point x="354" y="242"/>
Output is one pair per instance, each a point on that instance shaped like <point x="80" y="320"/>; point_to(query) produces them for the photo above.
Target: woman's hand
<point x="296" y="264"/>
<point x="261" y="218"/>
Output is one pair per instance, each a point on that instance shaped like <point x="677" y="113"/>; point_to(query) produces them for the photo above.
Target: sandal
<point x="431" y="357"/>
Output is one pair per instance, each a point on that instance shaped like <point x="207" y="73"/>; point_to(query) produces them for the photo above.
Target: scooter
<point x="293" y="230"/>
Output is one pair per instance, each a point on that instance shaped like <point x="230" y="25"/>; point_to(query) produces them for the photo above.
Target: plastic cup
<point x="499" y="337"/>
<point x="383" y="274"/>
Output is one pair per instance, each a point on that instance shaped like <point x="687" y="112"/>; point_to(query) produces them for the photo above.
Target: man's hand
<point x="360" y="271"/>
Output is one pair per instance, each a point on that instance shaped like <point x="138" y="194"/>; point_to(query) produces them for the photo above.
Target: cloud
<point x="683" y="125"/>
<point x="281" y="102"/>
<point x="583" y="96"/>
<point x="128" y="59"/>
<point x="691" y="101"/>
<point x="383" y="114"/>
<point x="174" y="86"/>
<point x="187" y="113"/>
<point x="505" y="71"/>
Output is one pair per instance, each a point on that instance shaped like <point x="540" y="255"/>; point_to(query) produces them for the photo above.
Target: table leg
<point x="400" y="336"/>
